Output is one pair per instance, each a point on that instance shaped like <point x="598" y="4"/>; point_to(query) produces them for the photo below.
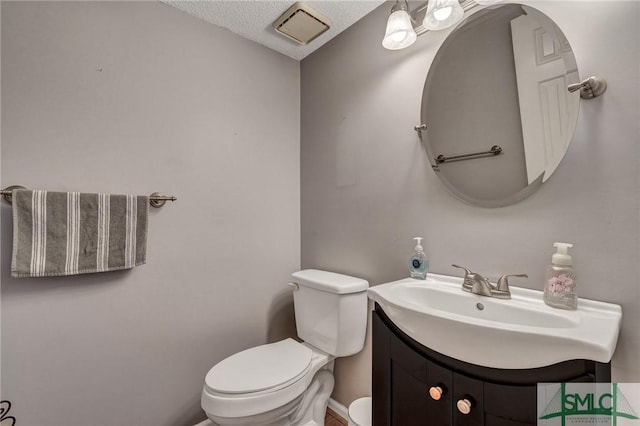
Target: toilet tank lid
<point x="329" y="281"/>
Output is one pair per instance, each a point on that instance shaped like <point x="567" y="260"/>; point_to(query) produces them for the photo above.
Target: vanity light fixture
<point x="400" y="32"/>
<point x="404" y="26"/>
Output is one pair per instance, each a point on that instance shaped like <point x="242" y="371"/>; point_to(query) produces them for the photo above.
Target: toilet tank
<point x="331" y="311"/>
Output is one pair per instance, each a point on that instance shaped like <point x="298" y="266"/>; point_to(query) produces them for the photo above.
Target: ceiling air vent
<point x="301" y="24"/>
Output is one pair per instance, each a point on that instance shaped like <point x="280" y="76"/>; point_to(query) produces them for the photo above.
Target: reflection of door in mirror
<point x="542" y="77"/>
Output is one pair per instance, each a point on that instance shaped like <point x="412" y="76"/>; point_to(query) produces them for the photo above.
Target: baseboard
<point x="338" y="408"/>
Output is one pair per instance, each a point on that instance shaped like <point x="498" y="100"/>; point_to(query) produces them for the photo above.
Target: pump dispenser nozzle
<point x="562" y="257"/>
<point x="418" y="246"/>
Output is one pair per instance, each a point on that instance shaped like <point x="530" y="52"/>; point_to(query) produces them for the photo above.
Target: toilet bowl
<point x="288" y="383"/>
<point x="261" y="384"/>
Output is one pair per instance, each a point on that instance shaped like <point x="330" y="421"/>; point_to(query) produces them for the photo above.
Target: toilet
<point x="288" y="383"/>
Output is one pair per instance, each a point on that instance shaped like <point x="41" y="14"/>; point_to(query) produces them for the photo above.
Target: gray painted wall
<point x="367" y="188"/>
<point x="139" y="97"/>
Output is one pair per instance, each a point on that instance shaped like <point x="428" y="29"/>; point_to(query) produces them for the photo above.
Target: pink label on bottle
<point x="562" y="284"/>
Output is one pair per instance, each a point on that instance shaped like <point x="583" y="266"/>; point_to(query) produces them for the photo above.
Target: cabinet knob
<point x="436" y="392"/>
<point x="464" y="406"/>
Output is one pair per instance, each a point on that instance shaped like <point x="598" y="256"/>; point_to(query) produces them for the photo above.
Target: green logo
<point x="600" y="403"/>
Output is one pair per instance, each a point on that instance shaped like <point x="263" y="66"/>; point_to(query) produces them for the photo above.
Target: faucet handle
<point x="503" y="282"/>
<point x="466" y="270"/>
<point x="468" y="277"/>
<point x="471" y="279"/>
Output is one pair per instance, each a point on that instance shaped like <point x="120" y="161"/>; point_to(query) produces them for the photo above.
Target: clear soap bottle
<point x="418" y="263"/>
<point x="560" y="283"/>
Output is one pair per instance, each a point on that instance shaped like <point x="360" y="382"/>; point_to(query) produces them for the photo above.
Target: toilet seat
<point x="260" y="379"/>
<point x="263" y="368"/>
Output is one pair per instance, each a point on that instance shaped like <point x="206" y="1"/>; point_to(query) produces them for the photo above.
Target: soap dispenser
<point x="418" y="264"/>
<point x="560" y="283"/>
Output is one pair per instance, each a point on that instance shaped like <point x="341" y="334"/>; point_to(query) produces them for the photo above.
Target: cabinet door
<point x="408" y="386"/>
<point x="471" y="392"/>
<point x="408" y="399"/>
<point x="491" y="420"/>
<point x="381" y="373"/>
<point x="439" y="411"/>
<point x="509" y="405"/>
<point x="412" y="380"/>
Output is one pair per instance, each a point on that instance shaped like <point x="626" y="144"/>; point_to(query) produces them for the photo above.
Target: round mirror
<point x="498" y="113"/>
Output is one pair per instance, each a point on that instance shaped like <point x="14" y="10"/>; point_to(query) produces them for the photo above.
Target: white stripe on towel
<point x="38" y="232"/>
<point x="73" y="232"/>
<point x="102" y="260"/>
<point x="130" y="237"/>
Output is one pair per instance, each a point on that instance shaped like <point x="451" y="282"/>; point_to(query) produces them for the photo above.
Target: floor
<point x="333" y="419"/>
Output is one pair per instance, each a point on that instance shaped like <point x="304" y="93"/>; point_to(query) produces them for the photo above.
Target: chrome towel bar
<point x="495" y="150"/>
<point x="155" y="200"/>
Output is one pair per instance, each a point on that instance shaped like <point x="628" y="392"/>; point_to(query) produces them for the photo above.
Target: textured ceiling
<point x="252" y="19"/>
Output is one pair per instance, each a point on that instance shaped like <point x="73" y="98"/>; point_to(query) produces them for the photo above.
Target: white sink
<point x="521" y="332"/>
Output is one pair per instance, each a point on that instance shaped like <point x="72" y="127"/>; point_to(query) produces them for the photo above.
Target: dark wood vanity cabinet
<point x="408" y="378"/>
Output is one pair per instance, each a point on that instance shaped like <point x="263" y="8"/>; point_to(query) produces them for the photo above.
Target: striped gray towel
<point x="69" y="233"/>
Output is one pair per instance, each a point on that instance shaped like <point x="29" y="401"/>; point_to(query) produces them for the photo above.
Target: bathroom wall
<point x="139" y="97"/>
<point x="367" y="187"/>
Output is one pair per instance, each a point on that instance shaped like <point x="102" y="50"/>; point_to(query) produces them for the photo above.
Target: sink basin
<point x="521" y="332"/>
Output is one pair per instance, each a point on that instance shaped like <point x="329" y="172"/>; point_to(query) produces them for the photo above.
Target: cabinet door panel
<point x="471" y="390"/>
<point x="408" y="385"/>
<point x="440" y="411"/>
<point x="408" y="398"/>
<point x="491" y="420"/>
<point x="381" y="373"/>
<point x="517" y="403"/>
<point x="412" y="362"/>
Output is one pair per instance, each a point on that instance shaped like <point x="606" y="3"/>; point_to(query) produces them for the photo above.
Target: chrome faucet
<point x="477" y="284"/>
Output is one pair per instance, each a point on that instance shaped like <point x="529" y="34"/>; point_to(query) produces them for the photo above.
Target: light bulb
<point x="398" y="36"/>
<point x="442" y="14"/>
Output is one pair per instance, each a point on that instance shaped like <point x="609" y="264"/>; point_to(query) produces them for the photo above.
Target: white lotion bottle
<point x="560" y="282"/>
